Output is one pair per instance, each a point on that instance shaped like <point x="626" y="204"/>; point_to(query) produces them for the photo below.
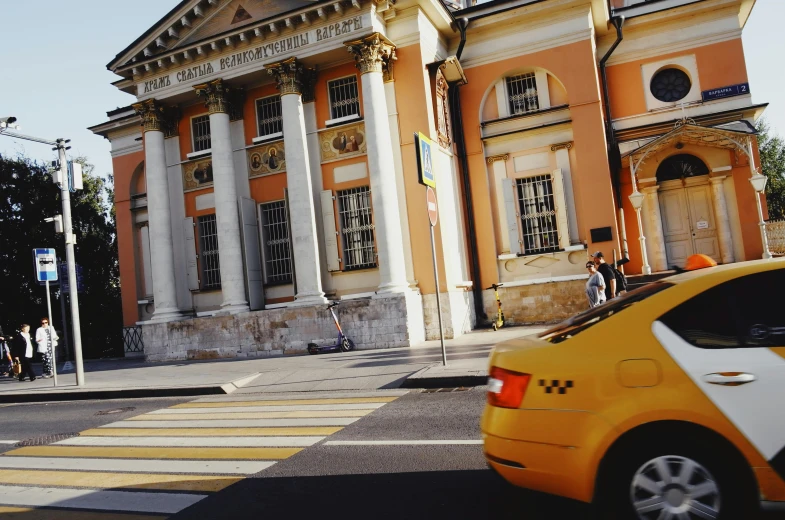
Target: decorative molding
<point x="501" y="157"/>
<point x="561" y="146"/>
<point x="152" y="114"/>
<point x="374" y="53"/>
<point x="216" y="96"/>
<point x="291" y="76"/>
<point x="443" y="130"/>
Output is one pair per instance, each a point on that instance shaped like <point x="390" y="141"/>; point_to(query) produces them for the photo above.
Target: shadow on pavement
<point x="472" y="494"/>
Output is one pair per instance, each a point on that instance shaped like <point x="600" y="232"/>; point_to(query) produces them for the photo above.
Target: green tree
<point x="27" y="197"/>
<point x="772" y="162"/>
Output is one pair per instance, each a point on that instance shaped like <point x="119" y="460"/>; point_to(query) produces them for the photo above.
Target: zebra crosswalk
<point x="159" y="463"/>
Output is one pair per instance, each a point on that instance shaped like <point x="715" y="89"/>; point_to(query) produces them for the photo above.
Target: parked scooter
<point x="499" y="321"/>
<point x="342" y="344"/>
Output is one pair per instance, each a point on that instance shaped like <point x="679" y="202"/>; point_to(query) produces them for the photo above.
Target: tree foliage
<point x="27" y="197"/>
<point x="772" y="162"/>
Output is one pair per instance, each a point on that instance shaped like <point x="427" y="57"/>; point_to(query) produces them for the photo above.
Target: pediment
<point x="193" y="21"/>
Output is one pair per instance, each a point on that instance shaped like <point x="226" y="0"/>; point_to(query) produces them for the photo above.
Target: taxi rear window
<point x="580" y="322"/>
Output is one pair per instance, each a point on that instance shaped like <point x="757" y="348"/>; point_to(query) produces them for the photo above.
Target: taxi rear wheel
<point x="680" y="482"/>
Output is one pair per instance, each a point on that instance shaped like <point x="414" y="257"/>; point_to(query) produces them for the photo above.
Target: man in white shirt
<point x="46" y="338"/>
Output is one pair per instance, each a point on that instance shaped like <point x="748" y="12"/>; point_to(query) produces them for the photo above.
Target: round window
<point x="670" y="85"/>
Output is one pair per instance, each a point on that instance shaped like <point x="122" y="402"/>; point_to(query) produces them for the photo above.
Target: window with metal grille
<point x="275" y="243"/>
<point x="201" y="133"/>
<point x="268" y="115"/>
<point x="538" y="214"/>
<point x="208" y="252"/>
<point x="522" y="93"/>
<point x="344" y="97"/>
<point x="354" y="208"/>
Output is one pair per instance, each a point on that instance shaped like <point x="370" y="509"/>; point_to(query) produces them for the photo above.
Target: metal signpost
<point x="46" y="271"/>
<point x="427" y="176"/>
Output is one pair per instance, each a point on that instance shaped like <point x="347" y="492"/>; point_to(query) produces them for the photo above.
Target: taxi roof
<point x="735" y="269"/>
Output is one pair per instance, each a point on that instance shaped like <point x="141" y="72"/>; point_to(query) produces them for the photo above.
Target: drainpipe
<point x="614" y="158"/>
<point x="460" y="148"/>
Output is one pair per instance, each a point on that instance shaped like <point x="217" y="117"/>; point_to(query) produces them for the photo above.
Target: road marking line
<point x="211" y="432"/>
<point x="252" y="407"/>
<point x="106" y="480"/>
<point x="9" y="442"/>
<point x="256" y="402"/>
<point x="156" y="453"/>
<point x="201" y="467"/>
<point x="231" y="423"/>
<point x="64" y="514"/>
<point x="249" y="415"/>
<point x="132" y="501"/>
<point x="193" y="442"/>
<point x="403" y="443"/>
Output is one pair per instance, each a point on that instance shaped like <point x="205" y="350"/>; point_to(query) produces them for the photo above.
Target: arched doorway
<point x="685" y="199"/>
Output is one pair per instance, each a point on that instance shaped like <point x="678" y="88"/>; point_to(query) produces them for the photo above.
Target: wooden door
<point x="676" y="226"/>
<point x="704" y="229"/>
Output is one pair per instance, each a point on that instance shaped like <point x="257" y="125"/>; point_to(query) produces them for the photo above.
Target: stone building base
<point x="457" y="314"/>
<point x="547" y="302"/>
<point x="392" y="321"/>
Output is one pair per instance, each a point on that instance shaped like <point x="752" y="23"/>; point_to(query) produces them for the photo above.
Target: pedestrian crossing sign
<point x="45" y="264"/>
<point x="425" y="170"/>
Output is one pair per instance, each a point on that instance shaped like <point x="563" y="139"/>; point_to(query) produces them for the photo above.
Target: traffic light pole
<point x="70" y="240"/>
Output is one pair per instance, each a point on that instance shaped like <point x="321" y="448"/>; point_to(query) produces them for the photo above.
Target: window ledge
<point x="341" y="120"/>
<point x="357" y="296"/>
<point x="200" y="153"/>
<point x="576" y="247"/>
<point x="268" y="137"/>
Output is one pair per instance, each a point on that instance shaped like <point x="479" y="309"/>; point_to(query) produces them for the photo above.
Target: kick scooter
<point x="499" y="321"/>
<point x="343" y="344"/>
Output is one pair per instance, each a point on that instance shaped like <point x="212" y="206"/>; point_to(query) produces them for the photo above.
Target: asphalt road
<point x="340" y="478"/>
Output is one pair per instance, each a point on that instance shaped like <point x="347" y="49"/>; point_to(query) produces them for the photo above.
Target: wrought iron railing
<point x="132" y="340"/>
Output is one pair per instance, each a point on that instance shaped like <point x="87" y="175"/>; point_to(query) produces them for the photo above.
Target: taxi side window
<point x="740" y="313"/>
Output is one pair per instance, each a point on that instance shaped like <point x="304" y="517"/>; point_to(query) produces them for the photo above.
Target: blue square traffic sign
<point x="45" y="264"/>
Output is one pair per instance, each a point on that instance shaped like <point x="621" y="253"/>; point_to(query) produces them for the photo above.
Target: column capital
<point x="561" y="146"/>
<point x="501" y="157"/>
<point x="292" y="77"/>
<point x="216" y="96"/>
<point x="649" y="189"/>
<point x="373" y="53"/>
<point x="152" y="114"/>
<point x="717" y="179"/>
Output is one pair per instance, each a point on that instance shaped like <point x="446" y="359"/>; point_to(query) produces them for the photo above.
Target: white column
<point x="159" y="218"/>
<point x="230" y="251"/>
<point x="656" y="245"/>
<point x="722" y="219"/>
<point x="372" y="54"/>
<point x="498" y="165"/>
<point x="290" y="76"/>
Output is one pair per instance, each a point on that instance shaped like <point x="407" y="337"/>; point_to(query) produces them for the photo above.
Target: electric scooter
<point x="499" y="321"/>
<point x="343" y="344"/>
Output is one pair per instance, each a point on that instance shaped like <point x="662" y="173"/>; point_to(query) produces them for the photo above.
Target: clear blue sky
<point x="53" y="58"/>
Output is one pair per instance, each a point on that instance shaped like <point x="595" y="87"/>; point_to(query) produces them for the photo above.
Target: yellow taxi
<point x="665" y="403"/>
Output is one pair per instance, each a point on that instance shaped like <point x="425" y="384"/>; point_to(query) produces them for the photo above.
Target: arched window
<point x="681" y="166"/>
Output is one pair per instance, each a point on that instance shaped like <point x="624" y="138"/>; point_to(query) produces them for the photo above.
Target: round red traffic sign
<point x="430" y="198"/>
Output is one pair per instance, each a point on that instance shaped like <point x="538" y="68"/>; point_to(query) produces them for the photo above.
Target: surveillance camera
<point x="8" y="122"/>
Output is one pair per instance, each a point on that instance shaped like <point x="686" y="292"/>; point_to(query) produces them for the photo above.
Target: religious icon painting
<point x="346" y="141"/>
<point x="267" y="158"/>
<point x="198" y="174"/>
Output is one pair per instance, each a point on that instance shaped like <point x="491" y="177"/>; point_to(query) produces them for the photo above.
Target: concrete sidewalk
<point x="467" y="359"/>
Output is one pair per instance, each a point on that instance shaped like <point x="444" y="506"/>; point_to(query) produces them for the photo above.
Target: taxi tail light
<point x="507" y="388"/>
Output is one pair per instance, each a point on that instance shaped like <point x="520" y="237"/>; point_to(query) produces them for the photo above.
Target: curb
<point x="128" y="393"/>
<point x="445" y="382"/>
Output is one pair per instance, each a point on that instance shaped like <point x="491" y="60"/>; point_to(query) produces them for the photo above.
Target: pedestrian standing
<point x="46" y="338"/>
<point x="5" y="355"/>
<point x="607" y="274"/>
<point x="595" y="286"/>
<point x="22" y="349"/>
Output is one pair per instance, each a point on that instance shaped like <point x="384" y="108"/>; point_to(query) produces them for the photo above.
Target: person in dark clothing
<point x="22" y="348"/>
<point x="607" y="274"/>
<point x="6" y="361"/>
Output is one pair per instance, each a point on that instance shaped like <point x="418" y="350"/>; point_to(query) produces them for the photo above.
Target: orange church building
<point x="267" y="163"/>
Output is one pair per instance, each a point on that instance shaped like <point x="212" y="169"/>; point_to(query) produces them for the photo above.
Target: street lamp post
<point x="636" y="199"/>
<point x="758" y="182"/>
<point x="61" y="178"/>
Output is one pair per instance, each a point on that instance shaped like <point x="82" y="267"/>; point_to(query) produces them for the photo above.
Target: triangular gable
<point x="238" y="13"/>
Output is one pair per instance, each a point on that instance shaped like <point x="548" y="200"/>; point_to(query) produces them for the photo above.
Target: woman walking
<point x="46" y="338"/>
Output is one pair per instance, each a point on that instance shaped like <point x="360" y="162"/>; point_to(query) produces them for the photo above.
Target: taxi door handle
<point x="729" y="378"/>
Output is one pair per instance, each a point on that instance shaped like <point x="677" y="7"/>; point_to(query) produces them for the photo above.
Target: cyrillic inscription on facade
<point x="255" y="54"/>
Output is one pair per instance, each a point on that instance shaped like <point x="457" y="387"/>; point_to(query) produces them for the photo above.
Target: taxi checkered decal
<point x="555" y="384"/>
